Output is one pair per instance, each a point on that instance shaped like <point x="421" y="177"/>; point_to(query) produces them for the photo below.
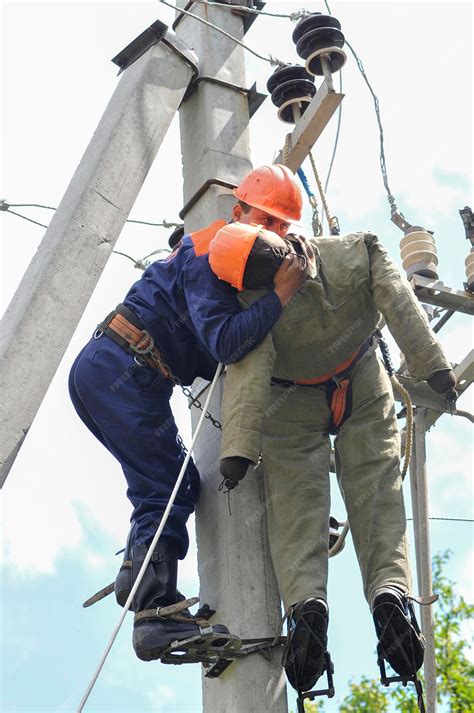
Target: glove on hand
<point x="442" y="381"/>
<point x="233" y="469"/>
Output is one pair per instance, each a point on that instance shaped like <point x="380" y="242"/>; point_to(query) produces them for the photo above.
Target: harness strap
<point x="338" y="387"/>
<point x="339" y="402"/>
<point x="124" y="328"/>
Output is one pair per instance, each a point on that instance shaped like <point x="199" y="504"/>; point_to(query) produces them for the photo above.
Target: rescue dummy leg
<point x="296" y="452"/>
<point x="367" y="463"/>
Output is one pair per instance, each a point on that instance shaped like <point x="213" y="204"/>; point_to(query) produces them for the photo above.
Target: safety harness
<point x="337" y="385"/>
<point x="125" y="329"/>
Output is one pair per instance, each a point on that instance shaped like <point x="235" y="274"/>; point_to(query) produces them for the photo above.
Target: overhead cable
<point x="449" y="519"/>
<point x="274" y="61"/>
<point x="383" y="165"/>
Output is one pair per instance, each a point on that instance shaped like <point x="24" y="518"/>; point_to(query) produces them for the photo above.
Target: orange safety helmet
<point x="229" y="250"/>
<point x="274" y="190"/>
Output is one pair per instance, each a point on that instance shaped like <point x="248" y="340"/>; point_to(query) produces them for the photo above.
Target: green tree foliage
<point x="455" y="671"/>
<point x="366" y="695"/>
<point x="455" y="677"/>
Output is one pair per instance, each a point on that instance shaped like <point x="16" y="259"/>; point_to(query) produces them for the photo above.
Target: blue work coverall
<point x="196" y="321"/>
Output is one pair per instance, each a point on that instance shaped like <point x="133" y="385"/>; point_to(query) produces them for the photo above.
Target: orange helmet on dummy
<point x="274" y="190"/>
<point x="230" y="249"/>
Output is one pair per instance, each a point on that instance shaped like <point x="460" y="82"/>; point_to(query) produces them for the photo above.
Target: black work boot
<point x="123" y="580"/>
<point x="401" y="642"/>
<point x="152" y="633"/>
<point x="306" y="644"/>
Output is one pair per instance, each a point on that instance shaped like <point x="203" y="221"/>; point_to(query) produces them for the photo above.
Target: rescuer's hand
<point x="289" y="277"/>
<point x="442" y="381"/>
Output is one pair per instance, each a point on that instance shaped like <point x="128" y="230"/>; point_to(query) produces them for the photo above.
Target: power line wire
<point x="448" y="519"/>
<point x="274" y="61"/>
<point x="383" y="165"/>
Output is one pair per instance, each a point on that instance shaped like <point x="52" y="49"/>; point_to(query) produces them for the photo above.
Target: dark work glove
<point x="233" y="469"/>
<point x="442" y="381"/>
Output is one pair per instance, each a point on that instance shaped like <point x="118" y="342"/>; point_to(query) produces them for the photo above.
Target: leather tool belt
<point x="125" y="329"/>
<point x="337" y="385"/>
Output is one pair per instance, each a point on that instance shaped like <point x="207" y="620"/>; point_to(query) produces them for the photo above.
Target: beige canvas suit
<point x="326" y="321"/>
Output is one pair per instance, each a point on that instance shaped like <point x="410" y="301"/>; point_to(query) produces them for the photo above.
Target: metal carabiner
<point x="139" y="360"/>
<point x="97" y="334"/>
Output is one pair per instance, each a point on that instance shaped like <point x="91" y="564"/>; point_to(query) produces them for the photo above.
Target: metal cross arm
<point x="311" y="125"/>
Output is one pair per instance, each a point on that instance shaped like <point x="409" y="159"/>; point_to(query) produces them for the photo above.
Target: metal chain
<point x="195" y="402"/>
<point x="166" y="371"/>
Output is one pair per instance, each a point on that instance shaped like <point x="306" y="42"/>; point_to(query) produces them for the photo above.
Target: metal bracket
<point x="200" y="192"/>
<point x="140" y="45"/>
<point x="400" y="220"/>
<point x="468" y="222"/>
<point x="311" y="125"/>
<point x="435" y="292"/>
<point x="255" y="98"/>
<point x="329" y="691"/>
<point x="157" y="32"/>
<point x="387" y="680"/>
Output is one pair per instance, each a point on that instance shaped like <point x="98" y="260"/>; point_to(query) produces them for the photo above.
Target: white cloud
<point x="160" y="697"/>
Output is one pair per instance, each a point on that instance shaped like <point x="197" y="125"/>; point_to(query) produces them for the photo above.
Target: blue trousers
<point x="127" y="408"/>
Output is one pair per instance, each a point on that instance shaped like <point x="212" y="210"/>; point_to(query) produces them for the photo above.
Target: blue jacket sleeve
<point x="227" y="331"/>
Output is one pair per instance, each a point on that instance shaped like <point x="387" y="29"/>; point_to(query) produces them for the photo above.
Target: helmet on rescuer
<point x="274" y="190"/>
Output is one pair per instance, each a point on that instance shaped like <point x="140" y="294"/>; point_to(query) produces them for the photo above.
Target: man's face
<point x="260" y="217"/>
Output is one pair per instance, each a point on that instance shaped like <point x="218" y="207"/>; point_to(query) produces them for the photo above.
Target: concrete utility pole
<point x="60" y="279"/>
<point x="421" y="526"/>
<point x="236" y="573"/>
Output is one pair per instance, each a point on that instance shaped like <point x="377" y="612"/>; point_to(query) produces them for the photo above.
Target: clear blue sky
<point x="64" y="506"/>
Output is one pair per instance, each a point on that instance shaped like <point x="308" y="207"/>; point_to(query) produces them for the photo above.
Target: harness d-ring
<point x="149" y="348"/>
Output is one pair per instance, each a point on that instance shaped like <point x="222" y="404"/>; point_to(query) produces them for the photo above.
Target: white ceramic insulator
<point x="418" y="252"/>
<point x="469" y="263"/>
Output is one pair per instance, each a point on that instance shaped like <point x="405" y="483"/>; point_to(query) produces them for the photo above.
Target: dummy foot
<point x="304" y="655"/>
<point x="400" y="641"/>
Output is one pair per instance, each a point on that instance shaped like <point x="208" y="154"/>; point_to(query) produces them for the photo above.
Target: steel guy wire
<point x="30" y="205"/>
<point x="274" y="61"/>
<point x="164" y="224"/>
<point x="152" y="545"/>
<point x="294" y="16"/>
<point x="336" y="140"/>
<point x="5" y="207"/>
<point x="30" y="220"/>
